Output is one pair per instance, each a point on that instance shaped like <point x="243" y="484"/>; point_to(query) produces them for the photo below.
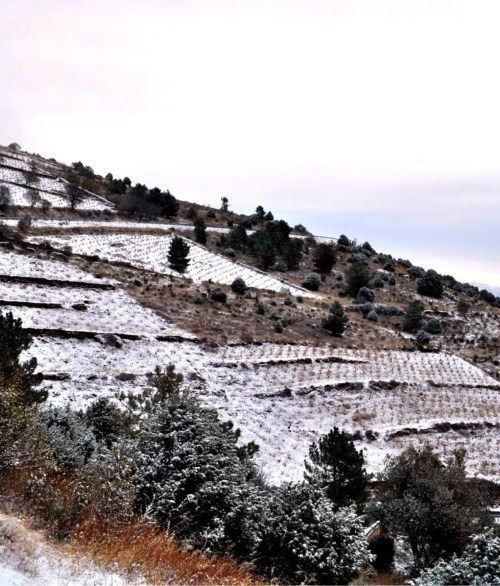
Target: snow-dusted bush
<point x="372" y="315"/>
<point x="430" y="284"/>
<point x="304" y="540"/>
<point x="218" y="294"/>
<point x="239" y="286"/>
<point x="191" y="477"/>
<point x="422" y="337"/>
<point x="311" y="282"/>
<point x="365" y="295"/>
<point x="71" y="441"/>
<point x="432" y="326"/>
<point x="478" y="565"/>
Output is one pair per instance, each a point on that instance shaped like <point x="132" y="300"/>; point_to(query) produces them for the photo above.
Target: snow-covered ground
<point x="281" y="396"/>
<point x="150" y="252"/>
<point x="21" y="265"/>
<point x="53" y="190"/>
<point x="27" y="560"/>
<point x="284" y="423"/>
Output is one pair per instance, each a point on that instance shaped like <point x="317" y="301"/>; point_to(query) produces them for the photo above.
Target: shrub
<point x="324" y="258"/>
<point x="416" y="272"/>
<point x="191" y="213"/>
<point x="367" y="247"/>
<point x="24" y="223"/>
<point x="218" y="294"/>
<point x="372" y="315"/>
<point x="422" y="338"/>
<point x="280" y="266"/>
<point x="365" y="295"/>
<point x="343" y="240"/>
<point x="430" y="285"/>
<point x="260" y="309"/>
<point x="336" y="322"/>
<point x="433" y="326"/>
<point x="71" y="440"/>
<point x="487" y="296"/>
<point x="5" y="197"/>
<point x="278" y="327"/>
<point x="430" y="502"/>
<point x="357" y="275"/>
<point x="478" y="565"/>
<point x="311" y="282"/>
<point x="239" y="286"/>
<point x="46" y="205"/>
<point x="304" y="540"/>
<point x="377" y="282"/>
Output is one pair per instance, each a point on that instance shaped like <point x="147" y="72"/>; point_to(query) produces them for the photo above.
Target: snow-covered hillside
<point x="150" y="252"/>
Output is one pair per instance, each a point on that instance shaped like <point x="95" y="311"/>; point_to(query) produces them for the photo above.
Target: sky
<point x="377" y="119"/>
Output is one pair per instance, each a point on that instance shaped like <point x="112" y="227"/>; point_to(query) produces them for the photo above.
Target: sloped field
<point x="51" y="189"/>
<point x="150" y="252"/>
<point x="282" y="396"/>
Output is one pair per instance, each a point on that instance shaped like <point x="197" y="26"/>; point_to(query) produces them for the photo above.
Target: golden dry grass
<point x="145" y="548"/>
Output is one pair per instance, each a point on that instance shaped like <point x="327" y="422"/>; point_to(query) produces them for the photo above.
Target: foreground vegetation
<point x="162" y="465"/>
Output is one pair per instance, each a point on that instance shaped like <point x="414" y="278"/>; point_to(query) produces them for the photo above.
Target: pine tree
<point x="324" y="258"/>
<point x="178" y="254"/>
<point x="357" y="275"/>
<point x="200" y="231"/>
<point x="337" y="320"/>
<point x="413" y="316"/>
<point x="337" y="467"/>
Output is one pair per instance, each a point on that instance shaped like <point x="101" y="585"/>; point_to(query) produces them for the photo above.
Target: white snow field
<point x="85" y="309"/>
<point x="150" y="252"/>
<point x="283" y="422"/>
<point x="21" y="265"/>
<point x="282" y="396"/>
<point x="51" y="189"/>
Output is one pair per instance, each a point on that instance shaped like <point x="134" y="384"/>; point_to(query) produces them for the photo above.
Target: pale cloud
<point x="325" y="108"/>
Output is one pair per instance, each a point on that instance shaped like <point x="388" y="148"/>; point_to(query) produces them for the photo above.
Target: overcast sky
<point x="378" y="119"/>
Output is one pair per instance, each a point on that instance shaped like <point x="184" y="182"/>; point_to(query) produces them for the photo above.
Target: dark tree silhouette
<point x="178" y="254"/>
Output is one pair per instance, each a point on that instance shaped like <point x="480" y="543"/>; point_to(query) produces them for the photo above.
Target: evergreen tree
<point x="413" y="316"/>
<point x="5" y="197"/>
<point x="238" y="237"/>
<point x="357" y="275"/>
<point x="324" y="258"/>
<point x="430" y="285"/>
<point x="338" y="468"/>
<point x="304" y="540"/>
<point x="292" y="253"/>
<point x="14" y="339"/>
<point x="200" y="231"/>
<point x="191" y="475"/>
<point x="431" y="503"/>
<point x="178" y="254"/>
<point x="478" y="565"/>
<point x="337" y="320"/>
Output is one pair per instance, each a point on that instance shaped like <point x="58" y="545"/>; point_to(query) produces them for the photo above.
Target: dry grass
<point x="131" y="547"/>
<point x="136" y="547"/>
